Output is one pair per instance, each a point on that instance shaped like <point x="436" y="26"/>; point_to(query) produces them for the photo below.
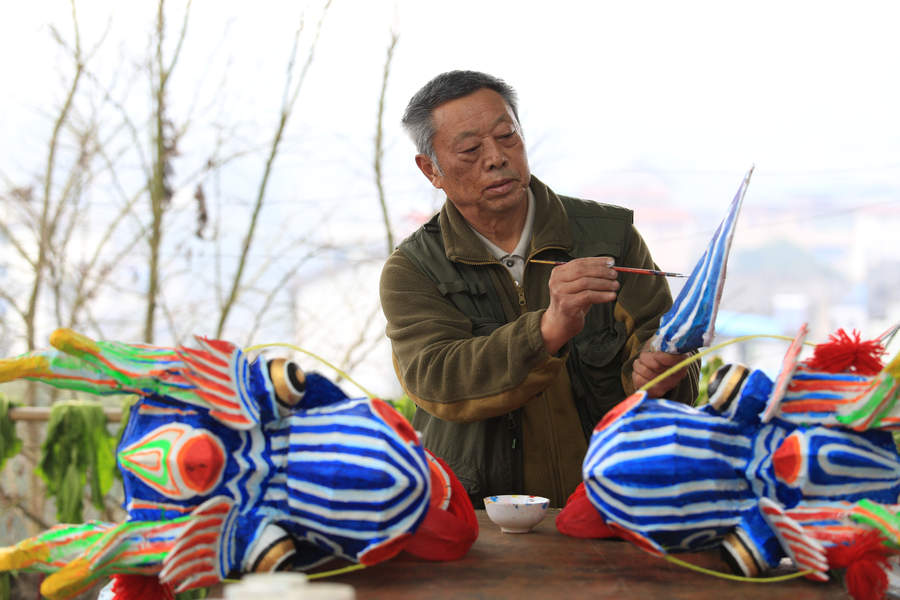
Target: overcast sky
<point x="688" y="94"/>
<point x="794" y="87"/>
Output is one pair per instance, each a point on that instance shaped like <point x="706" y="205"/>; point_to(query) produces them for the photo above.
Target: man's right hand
<point x="574" y="287"/>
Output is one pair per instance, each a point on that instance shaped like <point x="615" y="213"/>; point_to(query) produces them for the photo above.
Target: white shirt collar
<point x="514" y="261"/>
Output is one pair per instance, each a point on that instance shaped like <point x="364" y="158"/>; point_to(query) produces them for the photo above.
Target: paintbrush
<point x="637" y="270"/>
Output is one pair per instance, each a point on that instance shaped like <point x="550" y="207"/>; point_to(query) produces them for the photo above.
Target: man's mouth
<point x="501" y="187"/>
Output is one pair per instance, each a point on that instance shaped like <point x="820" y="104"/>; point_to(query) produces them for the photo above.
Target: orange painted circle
<point x="788" y="459"/>
<point x="200" y="462"/>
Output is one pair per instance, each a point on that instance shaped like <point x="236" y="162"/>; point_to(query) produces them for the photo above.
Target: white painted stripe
<point x="768" y="438"/>
<point x="669" y="491"/>
<point x="257" y="466"/>
<point x="401" y="482"/>
<point x="670" y="431"/>
<point x="311" y="420"/>
<point x="889" y="467"/>
<point x="684" y="513"/>
<point x="410" y="459"/>
<point x="303" y="520"/>
<point x="669" y="450"/>
<point x="243" y="466"/>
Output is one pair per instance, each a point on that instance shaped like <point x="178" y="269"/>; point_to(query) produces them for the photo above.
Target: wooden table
<point x="547" y="564"/>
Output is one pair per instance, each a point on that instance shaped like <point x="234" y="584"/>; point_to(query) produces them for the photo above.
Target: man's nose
<point x="494" y="156"/>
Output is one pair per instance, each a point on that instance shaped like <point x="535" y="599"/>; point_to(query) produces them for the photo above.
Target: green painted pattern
<point x="164" y="478"/>
<point x="67" y="531"/>
<point x="127" y="537"/>
<point x="877" y="397"/>
<point x="872" y="514"/>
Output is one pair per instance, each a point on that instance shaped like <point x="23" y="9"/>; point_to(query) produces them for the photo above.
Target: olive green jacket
<point x="507" y="416"/>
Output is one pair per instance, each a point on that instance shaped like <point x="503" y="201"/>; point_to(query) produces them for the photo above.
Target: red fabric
<point x="580" y="519"/>
<point x="446" y="534"/>
<point x="384" y="551"/>
<point x="140" y="587"/>
<point x="844" y="353"/>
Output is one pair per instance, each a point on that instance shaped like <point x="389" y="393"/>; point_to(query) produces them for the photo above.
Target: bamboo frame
<point x="42" y="413"/>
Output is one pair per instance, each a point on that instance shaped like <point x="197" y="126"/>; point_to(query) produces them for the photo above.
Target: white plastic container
<point x="286" y="586"/>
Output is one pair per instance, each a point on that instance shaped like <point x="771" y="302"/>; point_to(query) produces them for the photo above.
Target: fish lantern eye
<point x="289" y="383"/>
<point x="725" y="385"/>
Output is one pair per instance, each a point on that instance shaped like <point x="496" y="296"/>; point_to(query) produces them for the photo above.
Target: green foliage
<point x="10" y="445"/>
<point x="706" y="372"/>
<point x="4" y="586"/>
<point x="197" y="594"/>
<point x="126" y="404"/>
<point x="405" y="406"/>
<point x="78" y="449"/>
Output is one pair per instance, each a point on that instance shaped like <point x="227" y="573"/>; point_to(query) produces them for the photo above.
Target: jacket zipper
<point x="511" y="425"/>
<point x="520" y="292"/>
<point x="553" y="449"/>
<point x="544" y="249"/>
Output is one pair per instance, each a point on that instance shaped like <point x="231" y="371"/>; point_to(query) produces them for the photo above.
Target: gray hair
<point x="445" y="87"/>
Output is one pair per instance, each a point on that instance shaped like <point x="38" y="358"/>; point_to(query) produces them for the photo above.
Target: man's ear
<point x="429" y="169"/>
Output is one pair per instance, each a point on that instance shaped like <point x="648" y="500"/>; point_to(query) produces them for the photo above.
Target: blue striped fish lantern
<point x="234" y="465"/>
<point x="805" y="473"/>
<point x="690" y="322"/>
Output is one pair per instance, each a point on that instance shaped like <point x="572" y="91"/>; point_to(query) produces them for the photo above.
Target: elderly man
<point x="511" y="362"/>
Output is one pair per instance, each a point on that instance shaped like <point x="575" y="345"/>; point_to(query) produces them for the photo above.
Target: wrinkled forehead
<point x="473" y="114"/>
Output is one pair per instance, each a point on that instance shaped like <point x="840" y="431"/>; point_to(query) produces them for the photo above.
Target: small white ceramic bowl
<point x="516" y="513"/>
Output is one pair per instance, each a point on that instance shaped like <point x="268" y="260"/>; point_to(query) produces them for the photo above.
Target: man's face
<point x="481" y="153"/>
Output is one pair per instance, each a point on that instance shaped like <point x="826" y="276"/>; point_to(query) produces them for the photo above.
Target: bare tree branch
<point x="379" y="145"/>
<point x="286" y="109"/>
<point x="83" y="292"/>
<point x="181" y="35"/>
<point x="44" y="232"/>
<point x="17" y="245"/>
<point x="274" y="290"/>
<point x="12" y="303"/>
<point x="362" y="341"/>
<point x="163" y="150"/>
<point x="137" y="144"/>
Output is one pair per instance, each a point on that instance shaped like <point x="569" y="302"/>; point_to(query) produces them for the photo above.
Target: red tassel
<point x="580" y="519"/>
<point x="140" y="587"/>
<point x="866" y="580"/>
<point x="865" y="559"/>
<point x="843" y="353"/>
<point x="868" y="545"/>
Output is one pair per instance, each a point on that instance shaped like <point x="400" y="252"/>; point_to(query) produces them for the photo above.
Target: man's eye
<point x="470" y="150"/>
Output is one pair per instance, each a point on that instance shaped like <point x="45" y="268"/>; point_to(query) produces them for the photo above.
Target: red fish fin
<point x="446" y="533"/>
<point x="807" y="553"/>
<point x="580" y="519"/>
<point x="140" y="587"/>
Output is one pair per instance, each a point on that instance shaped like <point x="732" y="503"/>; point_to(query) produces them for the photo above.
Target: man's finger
<point x="586" y="267"/>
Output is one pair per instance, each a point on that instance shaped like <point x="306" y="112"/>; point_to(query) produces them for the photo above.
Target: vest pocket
<point x="595" y="370"/>
<point x="600" y="348"/>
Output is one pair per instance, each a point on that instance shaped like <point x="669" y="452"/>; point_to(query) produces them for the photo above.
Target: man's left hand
<point x="648" y="365"/>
